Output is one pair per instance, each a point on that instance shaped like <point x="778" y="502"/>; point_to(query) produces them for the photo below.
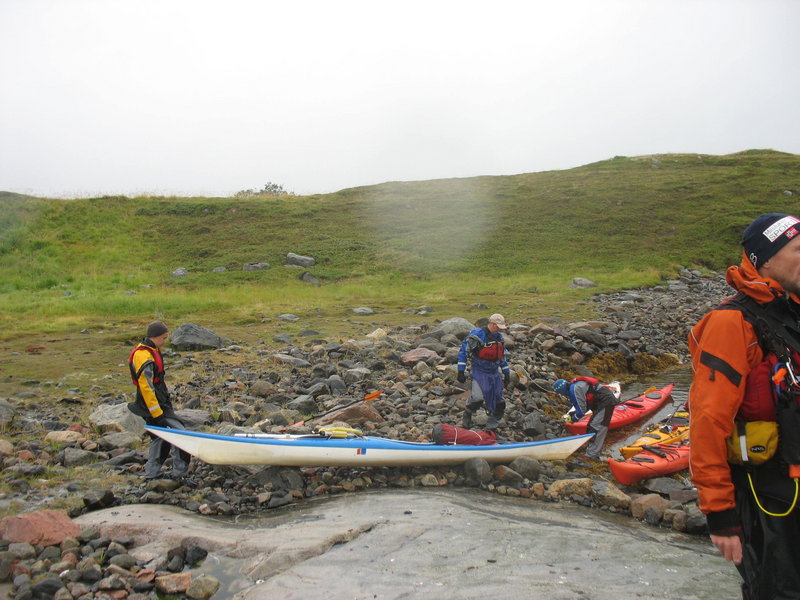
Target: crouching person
<point x="588" y="394"/>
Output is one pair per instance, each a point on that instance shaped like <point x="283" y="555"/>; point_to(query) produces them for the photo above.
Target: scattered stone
<point x="43" y="527"/>
<point x="203" y="587"/>
<point x="297" y="260"/>
<point x="255" y="266"/>
<point x="478" y="470"/>
<point x="582" y="282"/>
<point x="309" y="278"/>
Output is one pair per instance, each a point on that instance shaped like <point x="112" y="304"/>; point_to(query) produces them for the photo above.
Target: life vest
<point x="158" y="360"/>
<point x="772" y="390"/>
<point x="767" y="379"/>
<point x="590" y="393"/>
<point x="490" y="350"/>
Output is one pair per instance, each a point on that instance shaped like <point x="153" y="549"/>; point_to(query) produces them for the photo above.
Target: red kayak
<point x="653" y="461"/>
<point x="628" y="412"/>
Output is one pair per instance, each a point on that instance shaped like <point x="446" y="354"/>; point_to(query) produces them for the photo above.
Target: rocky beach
<point x="68" y="455"/>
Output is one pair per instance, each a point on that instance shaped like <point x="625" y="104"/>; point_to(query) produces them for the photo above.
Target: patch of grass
<point x="623" y="222"/>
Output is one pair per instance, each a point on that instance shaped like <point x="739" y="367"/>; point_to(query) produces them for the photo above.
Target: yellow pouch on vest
<point x="753" y="442"/>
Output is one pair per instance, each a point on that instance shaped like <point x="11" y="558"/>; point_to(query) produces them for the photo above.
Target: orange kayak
<point x="652" y="461"/>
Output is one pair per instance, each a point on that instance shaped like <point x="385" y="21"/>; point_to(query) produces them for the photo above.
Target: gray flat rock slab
<point x="412" y="544"/>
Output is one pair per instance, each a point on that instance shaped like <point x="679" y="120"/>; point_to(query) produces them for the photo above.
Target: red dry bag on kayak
<point x="448" y="435"/>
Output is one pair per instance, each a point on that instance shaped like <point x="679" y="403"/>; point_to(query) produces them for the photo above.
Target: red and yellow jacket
<point x="147" y="371"/>
<point x="724" y="349"/>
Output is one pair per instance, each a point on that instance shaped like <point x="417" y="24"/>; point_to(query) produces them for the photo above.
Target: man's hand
<point x="462" y="377"/>
<point x="160" y="421"/>
<point x="730" y="546"/>
<point x="506" y="379"/>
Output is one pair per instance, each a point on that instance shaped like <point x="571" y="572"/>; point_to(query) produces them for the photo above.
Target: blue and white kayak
<point x="354" y="451"/>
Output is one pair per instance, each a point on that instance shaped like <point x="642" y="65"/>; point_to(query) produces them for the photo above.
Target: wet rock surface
<point x="432" y="544"/>
<point x="95" y="461"/>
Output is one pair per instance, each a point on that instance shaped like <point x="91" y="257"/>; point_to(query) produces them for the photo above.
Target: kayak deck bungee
<point x="671" y="431"/>
<point x="351" y="450"/>
<point x="652" y="461"/>
<point x="629" y="411"/>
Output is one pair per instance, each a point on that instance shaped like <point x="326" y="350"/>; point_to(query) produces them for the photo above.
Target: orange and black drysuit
<point x="154" y="405"/>
<point x="147" y="373"/>
<point x="736" y="350"/>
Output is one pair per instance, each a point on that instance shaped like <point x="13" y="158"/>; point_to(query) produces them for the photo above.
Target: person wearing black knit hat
<point x="744" y="395"/>
<point x="766" y="235"/>
<point x="153" y="402"/>
<point x="156" y="329"/>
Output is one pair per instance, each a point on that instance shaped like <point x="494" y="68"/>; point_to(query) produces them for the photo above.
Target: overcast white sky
<point x="198" y="97"/>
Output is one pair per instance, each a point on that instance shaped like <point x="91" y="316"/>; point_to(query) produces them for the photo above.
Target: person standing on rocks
<point x="746" y="360"/>
<point x="153" y="402"/>
<point x="485" y="350"/>
<point x="588" y="394"/>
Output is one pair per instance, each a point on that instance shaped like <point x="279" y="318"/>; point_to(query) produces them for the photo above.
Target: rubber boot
<point x="492" y="423"/>
<point x="466" y="421"/>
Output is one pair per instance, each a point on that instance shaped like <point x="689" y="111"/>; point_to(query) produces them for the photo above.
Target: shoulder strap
<point x="776" y="323"/>
<point x="155" y="359"/>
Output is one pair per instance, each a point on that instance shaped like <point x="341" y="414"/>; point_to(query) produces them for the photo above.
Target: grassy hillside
<point x="450" y="243"/>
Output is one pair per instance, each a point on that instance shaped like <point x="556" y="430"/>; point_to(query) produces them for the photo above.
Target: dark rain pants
<point x="487" y="387"/>
<point x="605" y="402"/>
<point x="771" y="545"/>
<point x="160" y="451"/>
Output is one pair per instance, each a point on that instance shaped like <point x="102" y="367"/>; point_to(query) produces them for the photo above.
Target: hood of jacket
<point x="746" y="278"/>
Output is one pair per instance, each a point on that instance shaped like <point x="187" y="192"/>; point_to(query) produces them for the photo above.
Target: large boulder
<point x="40" y="528"/>
<point x="456" y="326"/>
<point x="116" y="417"/>
<point x="193" y="337"/>
<point x="297" y="260"/>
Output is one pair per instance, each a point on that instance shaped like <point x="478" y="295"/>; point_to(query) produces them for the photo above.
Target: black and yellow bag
<point x="753" y="442"/>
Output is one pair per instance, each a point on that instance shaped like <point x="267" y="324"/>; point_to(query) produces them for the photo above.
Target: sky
<point x="199" y="97"/>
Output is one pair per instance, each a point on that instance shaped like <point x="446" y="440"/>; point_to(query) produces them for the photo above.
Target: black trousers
<point x="770" y="566"/>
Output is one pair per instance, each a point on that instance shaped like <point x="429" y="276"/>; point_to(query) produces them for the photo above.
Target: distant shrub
<point x="270" y="189"/>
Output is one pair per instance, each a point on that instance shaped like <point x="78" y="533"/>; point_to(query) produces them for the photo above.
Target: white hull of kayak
<point x="307" y="450"/>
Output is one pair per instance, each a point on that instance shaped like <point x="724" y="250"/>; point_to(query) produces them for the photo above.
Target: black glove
<point x="506" y="379"/>
<point x="462" y="377"/>
<point x="161" y="421"/>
